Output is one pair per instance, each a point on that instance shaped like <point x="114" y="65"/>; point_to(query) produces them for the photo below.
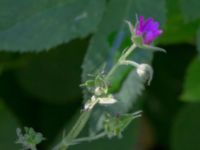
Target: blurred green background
<point x="47" y="48"/>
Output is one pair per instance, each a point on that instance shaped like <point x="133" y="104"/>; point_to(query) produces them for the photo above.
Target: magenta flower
<point x="148" y="29"/>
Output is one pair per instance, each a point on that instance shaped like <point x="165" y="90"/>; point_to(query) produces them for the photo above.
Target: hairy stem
<point x="123" y="57"/>
<point x="89" y="139"/>
<point x="74" y="132"/>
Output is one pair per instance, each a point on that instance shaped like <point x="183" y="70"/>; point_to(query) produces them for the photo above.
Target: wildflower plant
<point x="142" y="36"/>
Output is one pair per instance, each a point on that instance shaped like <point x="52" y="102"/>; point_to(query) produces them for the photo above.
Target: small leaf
<point x="30" y="139"/>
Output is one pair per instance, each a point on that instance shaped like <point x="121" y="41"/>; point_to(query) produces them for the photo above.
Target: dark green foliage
<point x="39" y="88"/>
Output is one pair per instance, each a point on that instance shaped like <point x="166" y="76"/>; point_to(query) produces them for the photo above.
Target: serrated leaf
<point x="185" y="131"/>
<point x="191" y="92"/>
<point x="190" y="9"/>
<point x="27" y="25"/>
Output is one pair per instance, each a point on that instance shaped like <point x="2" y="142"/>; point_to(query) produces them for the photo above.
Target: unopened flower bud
<point x="100" y="91"/>
<point x="145" y="71"/>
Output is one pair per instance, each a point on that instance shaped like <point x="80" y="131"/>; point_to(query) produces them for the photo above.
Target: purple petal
<point x="148" y="29"/>
<point x="141" y="22"/>
<point x="147" y="24"/>
<point x="149" y="37"/>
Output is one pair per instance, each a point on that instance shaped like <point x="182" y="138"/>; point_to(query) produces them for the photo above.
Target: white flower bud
<point x="145" y="71"/>
<point x="99" y="91"/>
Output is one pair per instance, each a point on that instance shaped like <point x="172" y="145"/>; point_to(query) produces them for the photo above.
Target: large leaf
<point x="192" y="82"/>
<point x="185" y="131"/>
<point x="190" y="9"/>
<point x="8" y="125"/>
<point x="27" y="25"/>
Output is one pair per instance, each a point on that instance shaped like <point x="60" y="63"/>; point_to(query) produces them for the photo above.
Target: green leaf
<point x="8" y="126"/>
<point x="185" y="131"/>
<point x="154" y="8"/>
<point x="176" y="29"/>
<point x="27" y="25"/>
<point x="198" y="40"/>
<point x="29" y="139"/>
<point x="190" y="9"/>
<point x="128" y="94"/>
<point x="192" y="82"/>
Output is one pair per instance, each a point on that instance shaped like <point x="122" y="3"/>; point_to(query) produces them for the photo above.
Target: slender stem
<point x="129" y="51"/>
<point x="132" y="63"/>
<point x="123" y="57"/>
<point x="74" y="132"/>
<point x="89" y="139"/>
<point x="113" y="69"/>
<point x="79" y="125"/>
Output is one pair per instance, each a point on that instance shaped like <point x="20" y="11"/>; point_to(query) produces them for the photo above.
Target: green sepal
<point x="138" y="40"/>
<point x="153" y="48"/>
<point x="88" y="83"/>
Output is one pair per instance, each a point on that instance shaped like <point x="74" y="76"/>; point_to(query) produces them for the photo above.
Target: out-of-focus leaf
<point x="54" y="76"/>
<point x="8" y="126"/>
<point x="113" y="25"/>
<point x="198" y="40"/>
<point x="176" y="29"/>
<point x="27" y="25"/>
<point x="11" y="61"/>
<point x="192" y="82"/>
<point x="162" y="98"/>
<point x="185" y="131"/>
<point x="145" y="7"/>
<point x="190" y="9"/>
